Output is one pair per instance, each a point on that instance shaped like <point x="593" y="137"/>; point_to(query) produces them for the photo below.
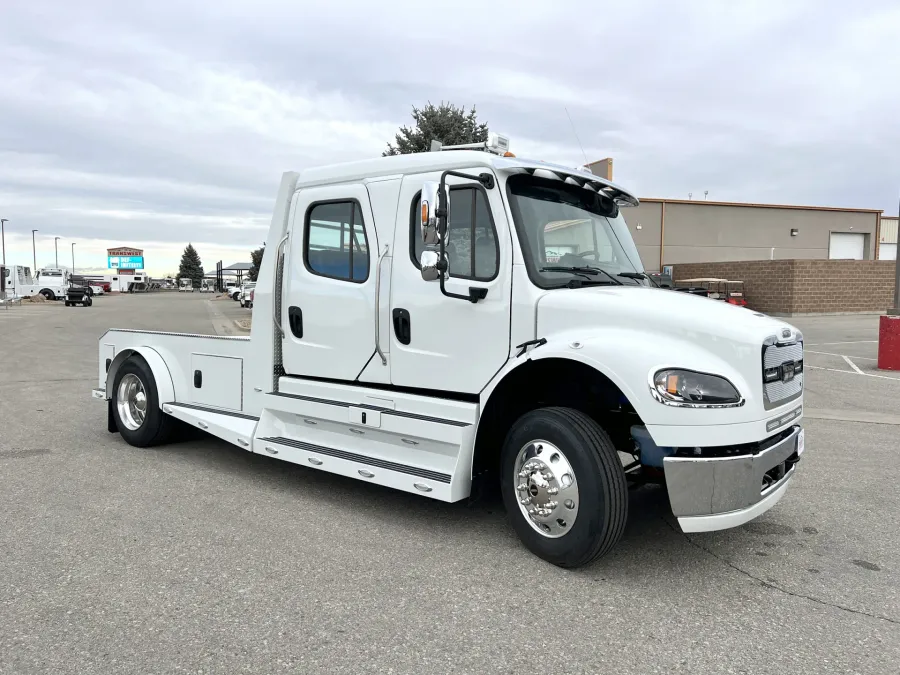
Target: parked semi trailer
<point x="435" y="321"/>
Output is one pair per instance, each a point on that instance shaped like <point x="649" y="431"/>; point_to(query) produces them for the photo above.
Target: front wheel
<point x="136" y="407"/>
<point x="563" y="486"/>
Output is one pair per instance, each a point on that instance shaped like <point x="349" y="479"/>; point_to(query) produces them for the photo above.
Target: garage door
<point x="887" y="252"/>
<point x="846" y="245"/>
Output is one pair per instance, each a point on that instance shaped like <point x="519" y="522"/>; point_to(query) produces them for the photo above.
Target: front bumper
<point x="715" y="493"/>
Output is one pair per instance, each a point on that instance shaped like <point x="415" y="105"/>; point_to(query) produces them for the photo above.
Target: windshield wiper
<point x="632" y="275"/>
<point x="584" y="271"/>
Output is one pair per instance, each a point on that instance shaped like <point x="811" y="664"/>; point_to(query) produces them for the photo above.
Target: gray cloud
<point x="161" y="124"/>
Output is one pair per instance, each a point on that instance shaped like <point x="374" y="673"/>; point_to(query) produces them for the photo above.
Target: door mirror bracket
<point x="434" y="211"/>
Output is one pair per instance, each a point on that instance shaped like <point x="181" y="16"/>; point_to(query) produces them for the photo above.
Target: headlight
<point x="694" y="390"/>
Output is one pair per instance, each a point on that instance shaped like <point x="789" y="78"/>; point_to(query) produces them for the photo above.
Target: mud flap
<point x="110" y="418"/>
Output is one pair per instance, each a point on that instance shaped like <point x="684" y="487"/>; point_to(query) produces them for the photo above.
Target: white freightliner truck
<point x="431" y="321"/>
<point x="51" y="282"/>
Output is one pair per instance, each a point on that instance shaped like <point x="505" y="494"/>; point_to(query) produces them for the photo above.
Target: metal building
<point x="887" y="242"/>
<point x="671" y="231"/>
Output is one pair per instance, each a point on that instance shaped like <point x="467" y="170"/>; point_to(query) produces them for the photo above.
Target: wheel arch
<point x="165" y="387"/>
<point x="554" y="380"/>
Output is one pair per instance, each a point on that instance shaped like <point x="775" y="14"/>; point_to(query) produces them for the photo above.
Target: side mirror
<point x="430" y="267"/>
<point x="429" y="206"/>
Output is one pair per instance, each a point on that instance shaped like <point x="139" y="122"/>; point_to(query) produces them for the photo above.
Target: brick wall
<point x="805" y="286"/>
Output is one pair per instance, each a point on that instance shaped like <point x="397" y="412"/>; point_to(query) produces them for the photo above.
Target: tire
<point x="156" y="427"/>
<point x="88" y="302"/>
<point x="48" y="294"/>
<point x="598" y="494"/>
<point x="68" y="304"/>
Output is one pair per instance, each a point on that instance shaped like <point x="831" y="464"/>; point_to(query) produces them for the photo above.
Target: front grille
<point x="787" y="359"/>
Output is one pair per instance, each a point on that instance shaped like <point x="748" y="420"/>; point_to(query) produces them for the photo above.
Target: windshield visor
<point x="564" y="225"/>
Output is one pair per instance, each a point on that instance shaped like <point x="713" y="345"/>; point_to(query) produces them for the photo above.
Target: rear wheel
<point x="563" y="486"/>
<point x="87" y="301"/>
<point x="47" y="293"/>
<point x="136" y="410"/>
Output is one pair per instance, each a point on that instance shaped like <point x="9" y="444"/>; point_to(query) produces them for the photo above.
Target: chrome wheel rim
<point x="131" y="402"/>
<point x="546" y="488"/>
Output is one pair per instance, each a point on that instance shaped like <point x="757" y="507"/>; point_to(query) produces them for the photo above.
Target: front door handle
<point x="402" y="326"/>
<point x="295" y="319"/>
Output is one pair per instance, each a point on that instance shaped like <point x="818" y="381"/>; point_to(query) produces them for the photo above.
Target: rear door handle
<point x="295" y="319"/>
<point x="402" y="326"/>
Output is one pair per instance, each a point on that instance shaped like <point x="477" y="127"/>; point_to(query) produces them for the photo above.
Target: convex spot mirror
<point x="429" y="263"/>
<point x="429" y="206"/>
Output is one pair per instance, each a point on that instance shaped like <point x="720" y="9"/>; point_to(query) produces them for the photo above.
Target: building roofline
<point x="706" y="202"/>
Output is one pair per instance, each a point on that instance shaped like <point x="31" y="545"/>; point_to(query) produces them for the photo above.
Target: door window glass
<point x="335" y="243"/>
<point x="471" y="246"/>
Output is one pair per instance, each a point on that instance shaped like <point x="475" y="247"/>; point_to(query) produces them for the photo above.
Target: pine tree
<point x="255" y="261"/>
<point x="445" y="123"/>
<point x="190" y="267"/>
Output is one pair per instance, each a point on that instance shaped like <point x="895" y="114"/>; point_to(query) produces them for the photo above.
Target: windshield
<point x="566" y="226"/>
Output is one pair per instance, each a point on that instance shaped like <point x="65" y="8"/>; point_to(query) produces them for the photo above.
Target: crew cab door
<point x="328" y="303"/>
<point x="446" y="343"/>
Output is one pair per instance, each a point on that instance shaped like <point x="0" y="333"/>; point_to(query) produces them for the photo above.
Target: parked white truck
<point x="431" y="321"/>
<point x="51" y="282"/>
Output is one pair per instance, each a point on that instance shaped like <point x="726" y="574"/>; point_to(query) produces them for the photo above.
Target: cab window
<point x="335" y="243"/>
<point x="471" y="246"/>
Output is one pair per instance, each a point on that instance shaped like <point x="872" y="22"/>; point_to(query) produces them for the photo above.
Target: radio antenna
<point x="576" y="136"/>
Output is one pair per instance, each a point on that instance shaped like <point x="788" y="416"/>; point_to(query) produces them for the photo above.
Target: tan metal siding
<point x="707" y="233"/>
<point x="888" y="230"/>
<point x="647" y="238"/>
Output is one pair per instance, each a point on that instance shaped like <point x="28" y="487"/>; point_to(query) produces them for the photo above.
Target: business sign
<point x="126" y="262"/>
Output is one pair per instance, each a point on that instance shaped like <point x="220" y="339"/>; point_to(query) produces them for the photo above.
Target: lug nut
<point x="526" y="501"/>
<point x="553" y="490"/>
<point x="522" y="486"/>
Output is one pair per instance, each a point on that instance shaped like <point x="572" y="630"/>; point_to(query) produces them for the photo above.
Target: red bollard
<point x="889" y="343"/>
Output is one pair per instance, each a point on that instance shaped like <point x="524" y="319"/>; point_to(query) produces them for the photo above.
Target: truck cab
<point x="449" y="320"/>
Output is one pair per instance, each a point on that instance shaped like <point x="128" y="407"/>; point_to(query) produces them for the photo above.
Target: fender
<point x="628" y="358"/>
<point x="164" y="386"/>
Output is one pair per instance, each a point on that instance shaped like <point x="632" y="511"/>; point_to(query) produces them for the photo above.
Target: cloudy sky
<point x="155" y="124"/>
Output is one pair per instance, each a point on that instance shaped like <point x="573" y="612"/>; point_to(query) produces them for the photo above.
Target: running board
<point x="418" y="444"/>
<point x="236" y="428"/>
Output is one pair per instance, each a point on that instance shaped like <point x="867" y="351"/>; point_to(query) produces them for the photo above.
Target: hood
<point x="672" y="313"/>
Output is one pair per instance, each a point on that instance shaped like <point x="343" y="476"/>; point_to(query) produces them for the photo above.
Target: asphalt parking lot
<point x="199" y="557"/>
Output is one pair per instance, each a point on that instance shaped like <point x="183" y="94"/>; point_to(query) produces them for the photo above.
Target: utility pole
<point x="3" y="222"/>
<point x="34" y="252"/>
<point x="56" y="249"/>
<point x="73" y="257"/>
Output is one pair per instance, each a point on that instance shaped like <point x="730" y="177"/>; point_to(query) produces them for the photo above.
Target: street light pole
<point x="34" y="252"/>
<point x="56" y="249"/>
<point x="73" y="257"/>
<point x="3" y="222"/>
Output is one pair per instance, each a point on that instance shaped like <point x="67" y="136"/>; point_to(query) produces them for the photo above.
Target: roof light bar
<point x="497" y="144"/>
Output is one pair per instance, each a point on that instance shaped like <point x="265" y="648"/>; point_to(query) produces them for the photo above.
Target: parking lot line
<point x="864" y="358"/>
<point x="857" y="372"/>
<point x="852" y="365"/>
<point x="851" y="342"/>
